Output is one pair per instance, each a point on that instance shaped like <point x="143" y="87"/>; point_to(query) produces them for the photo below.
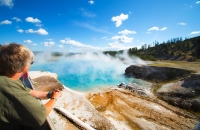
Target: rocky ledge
<point x="182" y="88"/>
<point x="155" y="74"/>
<point x="184" y="93"/>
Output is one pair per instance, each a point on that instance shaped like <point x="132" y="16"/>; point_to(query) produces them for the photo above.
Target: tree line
<point x="175" y="48"/>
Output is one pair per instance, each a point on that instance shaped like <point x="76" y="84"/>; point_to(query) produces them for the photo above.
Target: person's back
<point x="19" y="107"/>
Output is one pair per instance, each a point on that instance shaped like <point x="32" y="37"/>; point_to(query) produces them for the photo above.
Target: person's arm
<point x="49" y="105"/>
<point x="38" y="94"/>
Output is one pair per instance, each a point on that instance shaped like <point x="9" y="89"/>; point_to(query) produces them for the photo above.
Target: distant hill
<point x="174" y="49"/>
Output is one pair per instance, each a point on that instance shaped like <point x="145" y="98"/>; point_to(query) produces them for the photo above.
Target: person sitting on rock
<point x="19" y="107"/>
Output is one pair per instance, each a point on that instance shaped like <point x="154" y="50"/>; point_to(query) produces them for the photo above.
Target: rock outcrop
<point x="184" y="93"/>
<point x="133" y="87"/>
<point x="155" y="74"/>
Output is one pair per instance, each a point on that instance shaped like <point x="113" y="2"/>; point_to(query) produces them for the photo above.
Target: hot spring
<point x="88" y="71"/>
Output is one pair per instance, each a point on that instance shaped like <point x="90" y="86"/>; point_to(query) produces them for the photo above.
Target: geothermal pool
<point x="88" y="72"/>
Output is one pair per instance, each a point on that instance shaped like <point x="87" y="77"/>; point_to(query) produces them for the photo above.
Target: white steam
<point x="88" y="67"/>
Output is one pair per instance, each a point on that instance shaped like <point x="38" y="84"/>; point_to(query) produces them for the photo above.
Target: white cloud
<point x="32" y="20"/>
<point x="153" y="28"/>
<point x="28" y="41"/>
<point x="119" y="19"/>
<point x="68" y="41"/>
<point x="8" y="3"/>
<point x="42" y="31"/>
<point x="122" y="39"/>
<point x="126" y="32"/>
<point x="17" y="19"/>
<point x="50" y="43"/>
<point x="91" y="2"/>
<point x="117" y="46"/>
<point x="39" y="31"/>
<point x="181" y="23"/>
<point x="198" y="2"/>
<point x="30" y="31"/>
<point x="20" y="30"/>
<point x="87" y="13"/>
<point x="195" y="32"/>
<point x="5" y="22"/>
<point x="164" y="28"/>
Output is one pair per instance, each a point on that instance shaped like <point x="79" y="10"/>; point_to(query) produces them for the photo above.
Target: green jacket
<point x="17" y="107"/>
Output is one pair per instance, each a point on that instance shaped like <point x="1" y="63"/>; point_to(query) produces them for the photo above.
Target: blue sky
<point x="97" y="25"/>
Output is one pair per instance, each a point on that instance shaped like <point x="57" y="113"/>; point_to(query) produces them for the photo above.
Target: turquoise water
<point x="84" y="75"/>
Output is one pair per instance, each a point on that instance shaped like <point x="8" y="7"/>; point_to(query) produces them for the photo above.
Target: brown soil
<point x="141" y="112"/>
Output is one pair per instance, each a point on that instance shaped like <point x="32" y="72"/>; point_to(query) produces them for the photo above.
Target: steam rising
<point x="84" y="71"/>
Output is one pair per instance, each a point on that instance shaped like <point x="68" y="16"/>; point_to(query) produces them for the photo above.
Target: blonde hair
<point x="14" y="58"/>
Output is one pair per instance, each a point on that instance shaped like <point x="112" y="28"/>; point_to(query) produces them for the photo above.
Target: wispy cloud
<point x="118" y="19"/>
<point x="126" y="32"/>
<point x="68" y="41"/>
<point x="153" y="29"/>
<point x="17" y="19"/>
<point x="88" y="26"/>
<point x="40" y="31"/>
<point x="32" y="20"/>
<point x="194" y="32"/>
<point x="91" y="2"/>
<point x="181" y="23"/>
<point x="117" y="46"/>
<point x="87" y="13"/>
<point x="164" y="28"/>
<point x="104" y="37"/>
<point x="122" y="39"/>
<point x="197" y="2"/>
<point x="8" y="3"/>
<point x="156" y="29"/>
<point x="50" y="43"/>
<point x="71" y="42"/>
<point x="27" y="41"/>
<point x="5" y="22"/>
<point x="20" y="30"/>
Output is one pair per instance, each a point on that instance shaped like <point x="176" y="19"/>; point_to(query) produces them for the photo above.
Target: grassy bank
<point x="194" y="66"/>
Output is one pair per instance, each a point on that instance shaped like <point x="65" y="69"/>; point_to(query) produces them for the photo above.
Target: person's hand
<point x="56" y="94"/>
